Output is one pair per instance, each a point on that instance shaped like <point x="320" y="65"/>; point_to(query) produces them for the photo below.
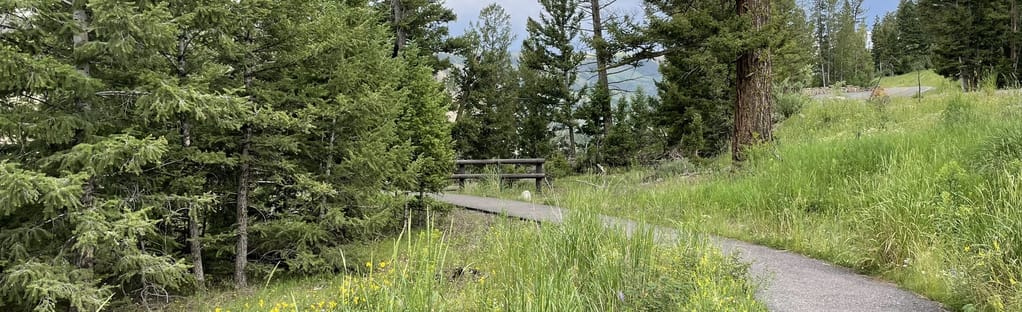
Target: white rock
<point x="526" y="195"/>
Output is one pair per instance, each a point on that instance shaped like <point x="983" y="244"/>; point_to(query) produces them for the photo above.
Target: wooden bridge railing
<point x="537" y="174"/>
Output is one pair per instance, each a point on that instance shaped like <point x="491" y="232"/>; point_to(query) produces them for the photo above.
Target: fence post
<point x="539" y="181"/>
<point x="461" y="181"/>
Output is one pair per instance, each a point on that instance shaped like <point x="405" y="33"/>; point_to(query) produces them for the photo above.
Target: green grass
<point x="926" y="193"/>
<point x="927" y="77"/>
<point x="489" y="263"/>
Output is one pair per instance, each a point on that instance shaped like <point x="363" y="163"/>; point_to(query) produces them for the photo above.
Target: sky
<point x="521" y="10"/>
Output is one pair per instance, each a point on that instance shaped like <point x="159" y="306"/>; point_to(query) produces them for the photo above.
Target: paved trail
<point x="892" y="92"/>
<point x="793" y="282"/>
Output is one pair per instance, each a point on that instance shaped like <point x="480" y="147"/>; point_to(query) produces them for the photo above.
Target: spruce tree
<point x="792" y="50"/>
<point x="423" y="24"/>
<point x="76" y="219"/>
<point x="550" y="62"/>
<point x="913" y="47"/>
<point x="971" y="40"/>
<point x="885" y="45"/>
<point x="485" y="125"/>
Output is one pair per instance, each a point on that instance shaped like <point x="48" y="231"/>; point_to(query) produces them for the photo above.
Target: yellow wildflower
<point x="333" y="304"/>
<point x="369" y="264"/>
<point x="968" y="248"/>
<point x="355" y="300"/>
<point x="217" y="309"/>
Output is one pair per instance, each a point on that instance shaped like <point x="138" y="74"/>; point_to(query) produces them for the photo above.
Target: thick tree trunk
<point x="602" y="61"/>
<point x="753" y="116"/>
<point x="401" y="35"/>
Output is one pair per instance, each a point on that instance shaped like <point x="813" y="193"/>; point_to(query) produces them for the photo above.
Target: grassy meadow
<point x="476" y="262"/>
<point x="923" y="192"/>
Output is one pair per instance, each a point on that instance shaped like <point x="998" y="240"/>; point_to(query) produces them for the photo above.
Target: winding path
<point x="892" y="92"/>
<point x="792" y="282"/>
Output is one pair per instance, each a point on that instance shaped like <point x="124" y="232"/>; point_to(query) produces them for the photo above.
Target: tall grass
<point x="519" y="266"/>
<point x="926" y="193"/>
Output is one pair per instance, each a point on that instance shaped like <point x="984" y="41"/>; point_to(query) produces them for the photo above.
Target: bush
<point x="789" y="104"/>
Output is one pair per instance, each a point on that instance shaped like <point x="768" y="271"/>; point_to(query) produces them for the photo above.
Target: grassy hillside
<point x="926" y="193"/>
<point x="926" y="78"/>
<point x="477" y="262"/>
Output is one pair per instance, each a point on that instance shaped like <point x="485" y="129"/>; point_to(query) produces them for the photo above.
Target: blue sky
<point x="520" y="10"/>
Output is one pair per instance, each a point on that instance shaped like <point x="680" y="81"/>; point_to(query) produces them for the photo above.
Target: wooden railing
<point x="537" y="173"/>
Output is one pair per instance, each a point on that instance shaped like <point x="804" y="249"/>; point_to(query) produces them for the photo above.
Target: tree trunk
<point x="753" y="123"/>
<point x="1014" y="37"/>
<point x="401" y="34"/>
<point x="86" y="256"/>
<point x="602" y="61"/>
<point x="241" y="250"/>
<point x="194" y="235"/>
<point x="571" y="140"/>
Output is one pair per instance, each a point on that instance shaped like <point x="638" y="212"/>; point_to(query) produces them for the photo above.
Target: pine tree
<point x="971" y="40"/>
<point x="852" y="63"/>
<point x="486" y="124"/>
<point x="792" y="52"/>
<point x="885" y="45"/>
<point x="423" y="120"/>
<point x="550" y="65"/>
<point x="696" y="91"/>
<point x="600" y="98"/>
<point x="825" y="20"/>
<point x="423" y="24"/>
<point x="753" y="122"/>
<point x="76" y="221"/>
<point x="913" y="48"/>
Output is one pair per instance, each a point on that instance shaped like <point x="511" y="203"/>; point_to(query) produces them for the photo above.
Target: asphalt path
<point x="893" y="92"/>
<point x="791" y="282"/>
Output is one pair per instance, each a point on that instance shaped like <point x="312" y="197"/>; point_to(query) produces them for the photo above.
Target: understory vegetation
<point x="924" y="192"/>
<point x="476" y="262"/>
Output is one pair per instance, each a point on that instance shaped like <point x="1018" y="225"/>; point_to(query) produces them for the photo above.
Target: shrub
<point x="789" y="104"/>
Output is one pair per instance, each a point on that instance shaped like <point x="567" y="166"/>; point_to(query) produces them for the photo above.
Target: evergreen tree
<point x="423" y="24"/>
<point x="885" y="45"/>
<point x="600" y="98"/>
<point x="485" y="125"/>
<point x="75" y="221"/>
<point x="635" y="138"/>
<point x="792" y="52"/>
<point x="550" y="65"/>
<point x="971" y="40"/>
<point x="852" y="62"/>
<point x="753" y="121"/>
<point x="913" y="47"/>
<point x="423" y="120"/>
<point x="699" y="47"/>
<point x="825" y="20"/>
<point x="128" y="129"/>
